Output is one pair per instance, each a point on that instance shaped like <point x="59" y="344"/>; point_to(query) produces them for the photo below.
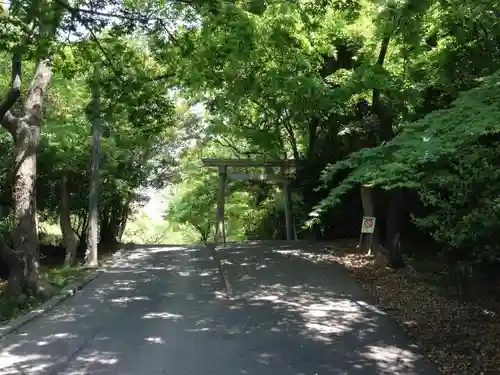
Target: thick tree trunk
<point x="114" y="222"/>
<point x="369" y="210"/>
<point x="91" y="255"/>
<point x="385" y="133"/>
<point x="70" y="238"/>
<point x="27" y="138"/>
<point x="25" y="236"/>
<point x="393" y="243"/>
<point x="112" y="218"/>
<point x="108" y="231"/>
<point x="104" y="226"/>
<point x="15" y="266"/>
<point x="81" y="226"/>
<point x="123" y="221"/>
<point x="123" y="225"/>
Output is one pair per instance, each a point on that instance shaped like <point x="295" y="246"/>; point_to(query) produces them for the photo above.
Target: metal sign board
<point x="368" y="224"/>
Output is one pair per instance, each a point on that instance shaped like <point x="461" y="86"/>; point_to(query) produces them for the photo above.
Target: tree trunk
<point x="114" y="222"/>
<point x="70" y="238"/>
<point x="124" y="219"/>
<point x="111" y="222"/>
<point x="393" y="243"/>
<point x="25" y="236"/>
<point x="385" y="133"/>
<point x="81" y="226"/>
<point x="105" y="234"/>
<point x="369" y="210"/>
<point x="27" y="138"/>
<point x="91" y="255"/>
<point x="15" y="266"/>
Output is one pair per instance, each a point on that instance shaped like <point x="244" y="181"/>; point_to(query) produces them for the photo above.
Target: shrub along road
<point x="163" y="310"/>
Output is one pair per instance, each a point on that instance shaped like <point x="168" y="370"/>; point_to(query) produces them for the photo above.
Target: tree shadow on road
<point x="161" y="311"/>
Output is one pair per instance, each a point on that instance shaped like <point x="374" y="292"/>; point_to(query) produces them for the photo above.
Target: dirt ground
<point x="460" y="336"/>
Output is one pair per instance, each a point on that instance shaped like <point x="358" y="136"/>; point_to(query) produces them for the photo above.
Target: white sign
<point x="368" y="225"/>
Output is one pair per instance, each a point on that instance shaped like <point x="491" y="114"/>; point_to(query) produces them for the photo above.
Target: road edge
<point x="67" y="292"/>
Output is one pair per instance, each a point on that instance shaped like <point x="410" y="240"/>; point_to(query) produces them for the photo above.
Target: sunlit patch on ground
<point x="462" y="338"/>
<point x="166" y="312"/>
<point x="155" y="340"/>
<point x="162" y="315"/>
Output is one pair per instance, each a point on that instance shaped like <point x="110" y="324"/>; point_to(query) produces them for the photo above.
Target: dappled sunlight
<point x="95" y="362"/>
<point x="99" y="358"/>
<point x="162" y="315"/>
<point x="311" y="256"/>
<point x="155" y="268"/>
<point x="68" y="315"/>
<point x="133" y="257"/>
<point x="390" y="358"/>
<point x="287" y="314"/>
<point x="318" y="302"/>
<point x="321" y="317"/>
<point x="154" y="250"/>
<point x="122" y="300"/>
<point x="155" y="340"/>
<point x="52" y="338"/>
<point x="23" y="364"/>
<point x="265" y="358"/>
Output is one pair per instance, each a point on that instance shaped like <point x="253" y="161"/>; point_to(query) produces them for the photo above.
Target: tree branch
<point x="15" y="89"/>
<point x="143" y="19"/>
<point x="8" y="120"/>
<point x="313" y="135"/>
<point x="75" y="12"/>
<point x="6" y="18"/>
<point x="292" y="140"/>
<point x="386" y="130"/>
<point x="36" y="92"/>
<point x="228" y="144"/>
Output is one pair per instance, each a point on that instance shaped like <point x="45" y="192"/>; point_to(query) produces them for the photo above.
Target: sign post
<point x="367" y="227"/>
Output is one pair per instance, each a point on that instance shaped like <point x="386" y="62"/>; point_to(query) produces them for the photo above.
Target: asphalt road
<point x="163" y="310"/>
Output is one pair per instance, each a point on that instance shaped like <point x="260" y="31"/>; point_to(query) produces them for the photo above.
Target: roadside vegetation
<point x="389" y="108"/>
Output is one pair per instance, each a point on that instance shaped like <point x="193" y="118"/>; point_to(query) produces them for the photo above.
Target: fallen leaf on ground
<point x="460" y="337"/>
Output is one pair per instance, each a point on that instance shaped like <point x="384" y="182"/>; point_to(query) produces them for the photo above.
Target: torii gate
<point x="268" y="175"/>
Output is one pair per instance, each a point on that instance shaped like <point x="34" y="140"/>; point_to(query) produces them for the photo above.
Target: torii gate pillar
<point x="220" y="232"/>
<point x="290" y="235"/>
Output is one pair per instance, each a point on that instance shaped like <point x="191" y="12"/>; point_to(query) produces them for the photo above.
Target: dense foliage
<point x="399" y="98"/>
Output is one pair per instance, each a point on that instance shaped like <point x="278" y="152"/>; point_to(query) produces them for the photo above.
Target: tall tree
<point x="41" y="20"/>
<point x="91" y="255"/>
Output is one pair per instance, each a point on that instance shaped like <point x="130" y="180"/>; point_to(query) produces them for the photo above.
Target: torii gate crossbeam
<point x="223" y="164"/>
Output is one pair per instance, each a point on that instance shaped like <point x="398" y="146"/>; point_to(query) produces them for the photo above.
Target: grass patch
<point x="12" y="306"/>
<point x="58" y="277"/>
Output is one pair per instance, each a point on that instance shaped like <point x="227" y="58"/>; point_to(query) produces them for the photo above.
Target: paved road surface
<point x="162" y="311"/>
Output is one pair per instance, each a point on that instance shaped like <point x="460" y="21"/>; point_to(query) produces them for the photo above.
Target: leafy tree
<point x="396" y="97"/>
<point x="34" y="32"/>
<point x="321" y="81"/>
<point x="449" y="157"/>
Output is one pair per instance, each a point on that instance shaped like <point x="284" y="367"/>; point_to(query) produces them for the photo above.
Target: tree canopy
<point x="393" y="99"/>
<point x="389" y="107"/>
